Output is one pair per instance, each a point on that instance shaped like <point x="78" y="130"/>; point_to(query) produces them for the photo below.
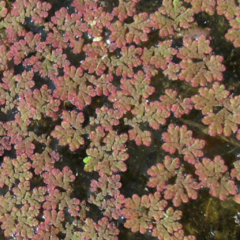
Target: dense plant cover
<point x="92" y="78"/>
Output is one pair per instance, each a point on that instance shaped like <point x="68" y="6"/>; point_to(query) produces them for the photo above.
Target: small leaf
<point x="87" y="160"/>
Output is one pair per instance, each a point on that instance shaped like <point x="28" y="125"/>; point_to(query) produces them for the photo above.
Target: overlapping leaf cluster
<point x="89" y="79"/>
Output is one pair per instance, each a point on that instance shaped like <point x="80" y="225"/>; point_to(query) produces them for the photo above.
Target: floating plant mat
<point x="120" y="119"/>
